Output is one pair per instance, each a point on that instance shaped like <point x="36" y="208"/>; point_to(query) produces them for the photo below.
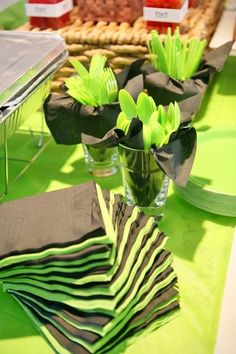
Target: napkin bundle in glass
<point x="90" y="271"/>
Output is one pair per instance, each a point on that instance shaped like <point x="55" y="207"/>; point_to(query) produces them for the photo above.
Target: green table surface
<point x="200" y="241"/>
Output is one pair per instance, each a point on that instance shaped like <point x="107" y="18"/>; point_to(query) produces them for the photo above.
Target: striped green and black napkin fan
<point x="89" y="270"/>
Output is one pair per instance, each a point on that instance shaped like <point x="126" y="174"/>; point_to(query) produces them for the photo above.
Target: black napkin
<point x="90" y="308"/>
<point x="65" y="259"/>
<point x="58" y="218"/>
<point x="175" y="158"/>
<point x="187" y="93"/>
<point x="68" y="119"/>
<point x="76" y="339"/>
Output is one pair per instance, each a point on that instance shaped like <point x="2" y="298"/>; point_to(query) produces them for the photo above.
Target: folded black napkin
<point x="175" y="158"/>
<point x="94" y="286"/>
<point x="157" y="312"/>
<point x="68" y="119"/>
<point x="55" y="219"/>
<point x="187" y="93"/>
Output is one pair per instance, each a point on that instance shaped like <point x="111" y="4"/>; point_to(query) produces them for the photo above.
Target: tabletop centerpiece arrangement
<point x="154" y="145"/>
<point x="87" y="105"/>
<point x="95" y="88"/>
<point x="180" y="69"/>
<point x="178" y="73"/>
<point x="146" y="130"/>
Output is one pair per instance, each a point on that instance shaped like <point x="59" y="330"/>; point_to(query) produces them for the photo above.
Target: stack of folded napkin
<point x="89" y="270"/>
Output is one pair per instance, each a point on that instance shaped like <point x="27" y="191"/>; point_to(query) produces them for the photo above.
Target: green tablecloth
<point x="201" y="242"/>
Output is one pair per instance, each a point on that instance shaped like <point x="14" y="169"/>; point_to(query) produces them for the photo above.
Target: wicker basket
<point x="123" y="43"/>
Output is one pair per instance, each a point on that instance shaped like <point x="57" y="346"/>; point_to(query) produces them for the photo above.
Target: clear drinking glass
<point x="101" y="162"/>
<point x="146" y="185"/>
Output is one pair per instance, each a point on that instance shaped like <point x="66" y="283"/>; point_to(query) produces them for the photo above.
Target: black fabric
<point x="158" y="314"/>
<point x="58" y="218"/>
<point x="65" y="258"/>
<point x="71" y="123"/>
<point x="159" y="260"/>
<point x="165" y="90"/>
<point x="91" y="337"/>
<point x="43" y="277"/>
<point x="69" y="217"/>
<point x="75" y="348"/>
<point x="177" y="157"/>
<point x="133" y="138"/>
<point x="134" y="229"/>
<point x="213" y="61"/>
<point x="68" y="119"/>
<point x="160" y="297"/>
<point x="89" y="318"/>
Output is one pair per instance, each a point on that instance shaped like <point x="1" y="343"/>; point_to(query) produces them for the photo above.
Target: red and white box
<point x="49" y="13"/>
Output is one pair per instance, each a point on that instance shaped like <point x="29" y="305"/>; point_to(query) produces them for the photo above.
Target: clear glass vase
<point x="101" y="162"/>
<point x="146" y="185"/>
